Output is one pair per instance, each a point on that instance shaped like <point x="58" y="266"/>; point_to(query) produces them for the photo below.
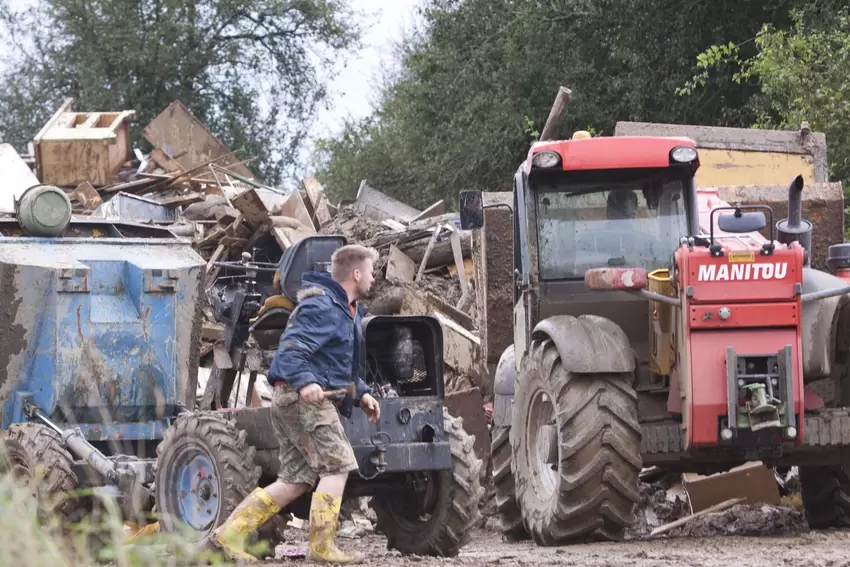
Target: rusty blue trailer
<point x="99" y="334"/>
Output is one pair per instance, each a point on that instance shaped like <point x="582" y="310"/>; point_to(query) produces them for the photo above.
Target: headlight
<point x="546" y="159"/>
<point x="683" y="154"/>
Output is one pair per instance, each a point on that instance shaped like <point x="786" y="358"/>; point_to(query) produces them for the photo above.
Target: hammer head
<point x="351" y="389"/>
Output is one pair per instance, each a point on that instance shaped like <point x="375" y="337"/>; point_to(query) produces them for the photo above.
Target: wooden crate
<point x="75" y="147"/>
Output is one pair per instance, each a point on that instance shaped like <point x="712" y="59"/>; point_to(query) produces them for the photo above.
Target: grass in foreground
<point x="99" y="539"/>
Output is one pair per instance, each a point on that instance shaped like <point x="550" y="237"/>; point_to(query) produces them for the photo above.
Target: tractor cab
<point x="589" y="203"/>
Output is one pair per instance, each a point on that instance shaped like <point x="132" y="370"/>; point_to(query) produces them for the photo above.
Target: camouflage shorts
<point x="312" y="441"/>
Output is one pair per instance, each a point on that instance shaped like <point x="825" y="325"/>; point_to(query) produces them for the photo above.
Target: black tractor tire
<point x="51" y="465"/>
<point x="825" y="496"/>
<point x="194" y="441"/>
<point x="589" y="493"/>
<point x="510" y="515"/>
<point x="440" y="523"/>
<point x="15" y="462"/>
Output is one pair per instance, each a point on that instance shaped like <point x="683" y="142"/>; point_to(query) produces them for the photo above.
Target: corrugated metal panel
<point x="125" y="206"/>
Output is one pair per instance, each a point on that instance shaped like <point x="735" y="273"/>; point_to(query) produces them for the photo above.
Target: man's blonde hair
<point x="349" y="258"/>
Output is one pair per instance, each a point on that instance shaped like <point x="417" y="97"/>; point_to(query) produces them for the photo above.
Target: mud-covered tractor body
<point x="417" y="463"/>
<point x="653" y="327"/>
<point x="99" y="328"/>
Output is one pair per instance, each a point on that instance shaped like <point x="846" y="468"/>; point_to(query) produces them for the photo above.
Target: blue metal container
<point x="99" y="328"/>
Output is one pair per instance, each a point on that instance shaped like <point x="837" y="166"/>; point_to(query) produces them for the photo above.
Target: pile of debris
<point x="198" y="188"/>
<point x="751" y="499"/>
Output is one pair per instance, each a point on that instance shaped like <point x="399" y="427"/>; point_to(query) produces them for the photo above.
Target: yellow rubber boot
<point x="251" y="513"/>
<point x="324" y="512"/>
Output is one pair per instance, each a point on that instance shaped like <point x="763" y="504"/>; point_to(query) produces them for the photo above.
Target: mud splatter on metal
<point x="99" y="331"/>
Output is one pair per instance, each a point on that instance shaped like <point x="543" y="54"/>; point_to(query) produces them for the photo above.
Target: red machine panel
<point x="743" y="276"/>
<point x="738" y="315"/>
<point x="707" y="394"/>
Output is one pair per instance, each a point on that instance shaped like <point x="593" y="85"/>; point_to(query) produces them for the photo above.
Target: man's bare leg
<point x="332" y="485"/>
<point x="283" y="492"/>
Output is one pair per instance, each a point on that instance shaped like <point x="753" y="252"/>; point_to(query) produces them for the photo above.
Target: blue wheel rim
<point x="197" y="492"/>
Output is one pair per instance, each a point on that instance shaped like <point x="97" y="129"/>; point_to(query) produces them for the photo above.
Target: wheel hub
<point x="543" y="442"/>
<point x="198" y="498"/>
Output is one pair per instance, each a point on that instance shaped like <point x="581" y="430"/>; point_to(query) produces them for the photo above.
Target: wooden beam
<point x="555" y="121"/>
<point x="682" y="521"/>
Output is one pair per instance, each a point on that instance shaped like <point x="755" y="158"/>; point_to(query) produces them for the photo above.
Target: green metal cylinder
<point x="44" y="210"/>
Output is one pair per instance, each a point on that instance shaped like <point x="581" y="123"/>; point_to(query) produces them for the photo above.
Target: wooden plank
<point x="187" y="135"/>
<point x="165" y="161"/>
<point x="400" y="268"/>
<point x="287" y="231"/>
<point x="281" y="237"/>
<point x="221" y="358"/>
<point x="437" y="209"/>
<point x="129" y="187"/>
<point x="182" y="200"/>
<point x="87" y="196"/>
<point x="317" y="202"/>
<point x="252" y="207"/>
<point x="458" y="316"/>
<point x="427" y="254"/>
<point x="458" y="256"/>
<point x="460" y="347"/>
<point x="294" y="208"/>
<point x="393" y="225"/>
<point x="431" y="222"/>
<point x="212" y="269"/>
<point x="555" y="121"/>
<point x="233" y="242"/>
<point x="212" y="237"/>
<point x="212" y="331"/>
<point x="468" y="265"/>
<point x="682" y="521"/>
<point x="64" y="108"/>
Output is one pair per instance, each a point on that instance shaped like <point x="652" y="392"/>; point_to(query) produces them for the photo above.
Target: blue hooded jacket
<point x="321" y="343"/>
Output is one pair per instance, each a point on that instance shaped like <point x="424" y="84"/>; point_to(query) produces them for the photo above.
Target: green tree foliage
<point x="251" y="70"/>
<point x="476" y="84"/>
<point x="802" y="74"/>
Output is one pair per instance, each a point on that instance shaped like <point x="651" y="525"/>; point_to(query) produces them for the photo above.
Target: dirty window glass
<point x="633" y="223"/>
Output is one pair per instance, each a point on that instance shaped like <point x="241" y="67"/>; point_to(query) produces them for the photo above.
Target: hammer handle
<point x="331" y="393"/>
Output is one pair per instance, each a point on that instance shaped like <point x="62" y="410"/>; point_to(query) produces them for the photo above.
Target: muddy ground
<point x="800" y="549"/>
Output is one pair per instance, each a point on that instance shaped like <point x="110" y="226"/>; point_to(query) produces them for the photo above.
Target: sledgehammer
<point x="350" y="390"/>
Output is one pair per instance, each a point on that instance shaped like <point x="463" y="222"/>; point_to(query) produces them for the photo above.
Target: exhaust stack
<point x="795" y="228"/>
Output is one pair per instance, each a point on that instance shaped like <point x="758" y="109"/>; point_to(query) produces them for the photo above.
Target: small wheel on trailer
<point x="50" y="463"/>
<point x="204" y="469"/>
<point x="15" y="461"/>
<point x="510" y="515"/>
<point x="438" y="519"/>
<point x="576" y="450"/>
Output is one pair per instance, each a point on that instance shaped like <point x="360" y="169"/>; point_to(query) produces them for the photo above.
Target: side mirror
<point x="607" y="279"/>
<point x="739" y="222"/>
<point x="471" y="207"/>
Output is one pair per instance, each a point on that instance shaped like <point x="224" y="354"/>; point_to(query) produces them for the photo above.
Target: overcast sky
<point x="350" y="92"/>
